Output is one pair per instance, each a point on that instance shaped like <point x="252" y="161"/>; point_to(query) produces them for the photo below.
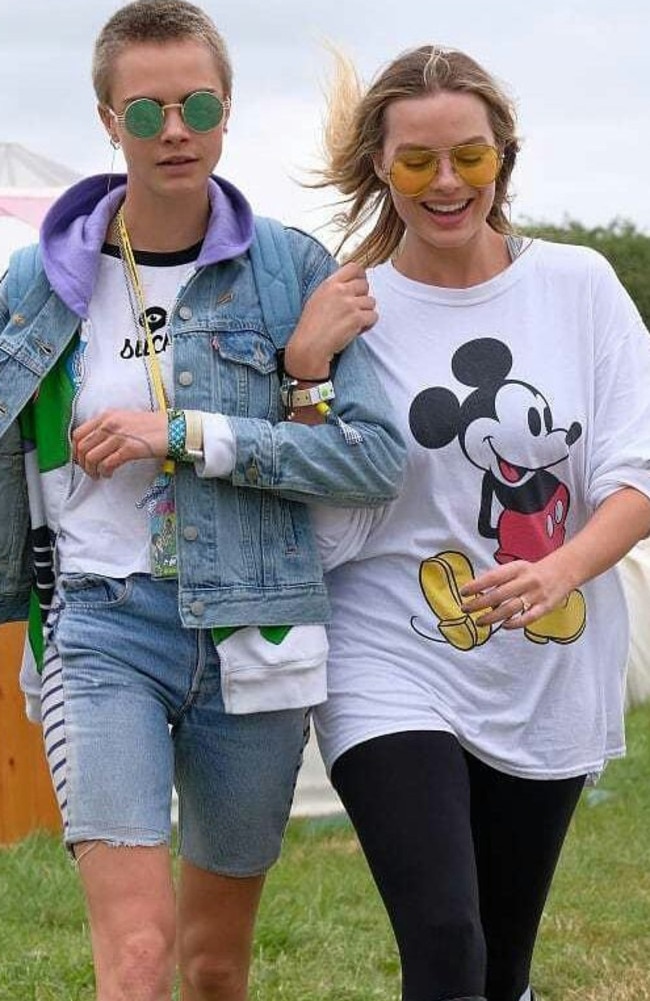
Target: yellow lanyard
<point x="132" y="276"/>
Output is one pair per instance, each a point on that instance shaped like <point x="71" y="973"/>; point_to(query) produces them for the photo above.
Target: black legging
<point x="463" y="856"/>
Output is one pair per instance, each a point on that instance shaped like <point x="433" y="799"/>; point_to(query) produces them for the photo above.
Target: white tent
<point x="635" y="574"/>
<point x="29" y="183"/>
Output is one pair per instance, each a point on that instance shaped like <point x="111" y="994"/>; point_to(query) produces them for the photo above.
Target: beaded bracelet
<point x="176" y="435"/>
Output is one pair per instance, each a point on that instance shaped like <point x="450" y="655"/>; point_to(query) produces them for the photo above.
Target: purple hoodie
<point x="75" y="227"/>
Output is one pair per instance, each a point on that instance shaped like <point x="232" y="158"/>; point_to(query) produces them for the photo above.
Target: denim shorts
<point x="131" y="704"/>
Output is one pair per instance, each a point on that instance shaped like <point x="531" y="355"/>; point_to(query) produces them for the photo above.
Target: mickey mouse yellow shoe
<point x="441" y="578"/>
<point x="563" y="625"/>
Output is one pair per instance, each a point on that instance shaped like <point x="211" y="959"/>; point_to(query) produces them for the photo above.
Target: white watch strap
<point x="314" y="394"/>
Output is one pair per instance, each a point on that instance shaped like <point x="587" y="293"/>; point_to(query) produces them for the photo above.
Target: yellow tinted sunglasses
<point x="412" y="171"/>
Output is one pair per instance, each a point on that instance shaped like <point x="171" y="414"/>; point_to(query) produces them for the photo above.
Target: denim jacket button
<point x="197" y="608"/>
<point x="185" y="378"/>
<point x="252" y="473"/>
<point x="190" y="533"/>
<point x="185" y="312"/>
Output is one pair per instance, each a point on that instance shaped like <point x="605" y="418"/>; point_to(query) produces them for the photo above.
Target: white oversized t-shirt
<point x="524" y="403"/>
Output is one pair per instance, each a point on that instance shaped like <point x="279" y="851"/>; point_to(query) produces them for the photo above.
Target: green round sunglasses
<point x="144" y="118"/>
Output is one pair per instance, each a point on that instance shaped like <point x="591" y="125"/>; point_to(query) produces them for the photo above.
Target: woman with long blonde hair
<point x="479" y="633"/>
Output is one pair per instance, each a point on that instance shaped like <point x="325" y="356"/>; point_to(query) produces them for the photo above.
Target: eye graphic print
<point x="156" y="317"/>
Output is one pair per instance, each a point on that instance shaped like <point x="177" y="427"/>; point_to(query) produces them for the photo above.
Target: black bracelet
<point x="299" y="378"/>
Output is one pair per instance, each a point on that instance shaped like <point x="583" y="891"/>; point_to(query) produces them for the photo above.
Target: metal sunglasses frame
<point x="121" y="118"/>
<point x="435" y="153"/>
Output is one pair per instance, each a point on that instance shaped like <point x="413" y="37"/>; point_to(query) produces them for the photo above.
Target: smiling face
<point x="178" y="161"/>
<point x="449" y="215"/>
<point x="520" y="439"/>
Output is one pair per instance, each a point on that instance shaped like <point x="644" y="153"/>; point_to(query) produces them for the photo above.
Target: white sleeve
<point x="620" y="452"/>
<point x="218" y="447"/>
<point x="30" y="683"/>
<point x="340" y="532"/>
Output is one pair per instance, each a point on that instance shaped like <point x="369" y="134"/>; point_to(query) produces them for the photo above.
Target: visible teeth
<point x="447" y="208"/>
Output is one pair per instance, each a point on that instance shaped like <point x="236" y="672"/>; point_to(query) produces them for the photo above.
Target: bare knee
<point x="130" y="898"/>
<point x="216" y="978"/>
<point x="143" y="965"/>
<point x="216" y="916"/>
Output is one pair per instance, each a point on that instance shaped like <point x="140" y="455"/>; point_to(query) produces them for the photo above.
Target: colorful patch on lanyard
<point x="162" y="527"/>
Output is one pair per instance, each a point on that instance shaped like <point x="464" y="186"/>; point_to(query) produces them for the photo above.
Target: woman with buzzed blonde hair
<point x="157" y="494"/>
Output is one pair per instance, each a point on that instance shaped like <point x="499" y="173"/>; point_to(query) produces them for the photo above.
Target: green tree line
<point x="624" y="246"/>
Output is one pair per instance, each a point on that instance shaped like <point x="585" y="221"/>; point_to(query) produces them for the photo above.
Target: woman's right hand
<point x="104" y="443"/>
<point x="339" y="310"/>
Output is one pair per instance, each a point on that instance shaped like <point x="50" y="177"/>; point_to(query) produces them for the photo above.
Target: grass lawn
<point x="322" y="934"/>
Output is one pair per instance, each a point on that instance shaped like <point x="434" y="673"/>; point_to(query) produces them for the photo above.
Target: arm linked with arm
<point x="316" y="461"/>
<point x="321" y="462"/>
<point x="305" y="463"/>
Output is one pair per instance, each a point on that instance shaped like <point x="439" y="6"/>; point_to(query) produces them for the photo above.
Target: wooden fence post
<point x="27" y="801"/>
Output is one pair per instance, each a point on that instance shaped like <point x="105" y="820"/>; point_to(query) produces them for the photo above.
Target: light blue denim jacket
<point x="246" y="550"/>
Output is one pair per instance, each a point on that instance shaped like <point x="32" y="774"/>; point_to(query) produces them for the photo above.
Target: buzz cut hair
<point x="157" y="21"/>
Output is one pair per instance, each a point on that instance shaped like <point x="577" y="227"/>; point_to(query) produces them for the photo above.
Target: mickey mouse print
<point x="504" y="427"/>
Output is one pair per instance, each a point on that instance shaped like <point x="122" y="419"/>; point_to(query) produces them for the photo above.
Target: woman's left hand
<point x="104" y="443"/>
<point x="517" y="593"/>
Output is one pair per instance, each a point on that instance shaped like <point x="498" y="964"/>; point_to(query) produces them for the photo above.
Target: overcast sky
<point x="579" y="71"/>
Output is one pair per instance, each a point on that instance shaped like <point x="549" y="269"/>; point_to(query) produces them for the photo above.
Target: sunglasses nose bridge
<point x="173" y="119"/>
<point x="446" y="173"/>
<point x="442" y="172"/>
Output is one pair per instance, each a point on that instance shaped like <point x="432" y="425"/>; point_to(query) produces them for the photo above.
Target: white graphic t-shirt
<point x="524" y="403"/>
<point x="105" y="524"/>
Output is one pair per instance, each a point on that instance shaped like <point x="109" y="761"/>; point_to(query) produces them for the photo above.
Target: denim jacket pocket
<point x="246" y="346"/>
<point x="249" y="363"/>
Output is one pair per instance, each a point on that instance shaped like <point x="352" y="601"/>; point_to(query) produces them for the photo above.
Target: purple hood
<point x="74" y="230"/>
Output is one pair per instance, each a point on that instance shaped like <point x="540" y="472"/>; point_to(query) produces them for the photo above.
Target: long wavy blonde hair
<point x="354" y="136"/>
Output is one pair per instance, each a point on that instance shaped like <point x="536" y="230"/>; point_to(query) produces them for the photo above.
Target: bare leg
<point x="216" y="918"/>
<point x="130" y="901"/>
